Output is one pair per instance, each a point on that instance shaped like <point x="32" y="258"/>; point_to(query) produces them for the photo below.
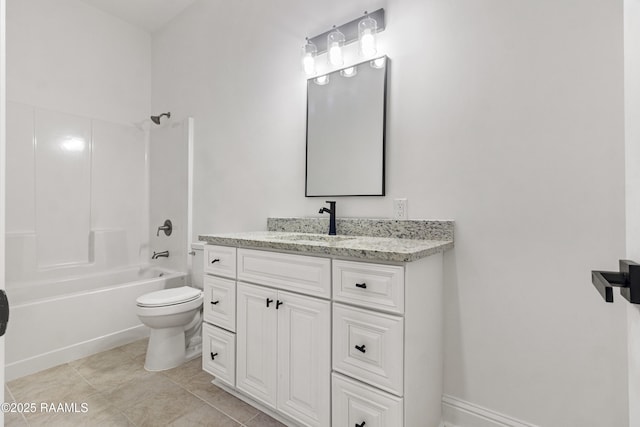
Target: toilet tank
<point x="196" y="270"/>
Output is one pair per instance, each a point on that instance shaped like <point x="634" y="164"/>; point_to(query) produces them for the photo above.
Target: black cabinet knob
<point x="269" y="301"/>
<point x="361" y="348"/>
<point x="215" y="302"/>
<point x="361" y="285"/>
<point x="361" y="424"/>
<point x="215" y="260"/>
<point x="213" y="355"/>
<point x="278" y="304"/>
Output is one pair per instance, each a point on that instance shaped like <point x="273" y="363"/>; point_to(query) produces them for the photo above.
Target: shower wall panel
<point x="20" y="188"/>
<point x="63" y="188"/>
<point x="76" y="195"/>
<point x="118" y="187"/>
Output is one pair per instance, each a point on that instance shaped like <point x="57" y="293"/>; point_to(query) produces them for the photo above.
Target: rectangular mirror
<point x="346" y="131"/>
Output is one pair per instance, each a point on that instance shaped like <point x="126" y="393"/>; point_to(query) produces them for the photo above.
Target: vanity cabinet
<point x="326" y="341"/>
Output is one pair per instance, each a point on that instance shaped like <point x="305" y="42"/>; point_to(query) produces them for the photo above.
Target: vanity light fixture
<point x="335" y="41"/>
<point x="363" y="30"/>
<point x="367" y="29"/>
<point x="309" y="52"/>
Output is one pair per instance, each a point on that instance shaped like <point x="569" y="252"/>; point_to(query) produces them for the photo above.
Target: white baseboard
<point x="459" y="413"/>
<point x="76" y="351"/>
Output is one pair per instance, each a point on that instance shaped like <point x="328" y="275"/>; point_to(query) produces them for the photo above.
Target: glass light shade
<point x="309" y="52"/>
<point x="367" y="29"/>
<point x="335" y="41"/>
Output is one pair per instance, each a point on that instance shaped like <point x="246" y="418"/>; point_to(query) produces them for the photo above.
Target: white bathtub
<point x="54" y="322"/>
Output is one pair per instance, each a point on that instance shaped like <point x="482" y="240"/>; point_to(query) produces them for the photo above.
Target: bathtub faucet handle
<point x="167" y="227"/>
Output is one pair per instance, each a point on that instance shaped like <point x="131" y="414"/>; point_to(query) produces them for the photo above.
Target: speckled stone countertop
<point x="348" y="246"/>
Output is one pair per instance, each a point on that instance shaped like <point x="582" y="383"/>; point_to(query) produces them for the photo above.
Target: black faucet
<point x="332" y="219"/>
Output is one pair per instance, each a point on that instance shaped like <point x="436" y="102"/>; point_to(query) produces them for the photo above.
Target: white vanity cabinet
<point x="326" y="341"/>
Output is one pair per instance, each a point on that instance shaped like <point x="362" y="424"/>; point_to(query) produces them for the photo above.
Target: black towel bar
<point x="627" y="279"/>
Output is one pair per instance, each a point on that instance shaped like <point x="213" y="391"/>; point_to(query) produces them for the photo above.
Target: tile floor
<point x="119" y="392"/>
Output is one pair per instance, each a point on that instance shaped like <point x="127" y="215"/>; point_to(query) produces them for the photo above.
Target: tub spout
<point x="157" y="255"/>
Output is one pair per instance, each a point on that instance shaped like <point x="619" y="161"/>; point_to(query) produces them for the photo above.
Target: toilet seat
<point x="168" y="297"/>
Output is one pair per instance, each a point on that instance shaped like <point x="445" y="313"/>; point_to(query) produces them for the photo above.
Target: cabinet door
<point x="256" y="340"/>
<point x="220" y="302"/>
<point x="304" y="358"/>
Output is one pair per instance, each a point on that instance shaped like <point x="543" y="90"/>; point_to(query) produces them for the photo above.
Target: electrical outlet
<point x="400" y="209"/>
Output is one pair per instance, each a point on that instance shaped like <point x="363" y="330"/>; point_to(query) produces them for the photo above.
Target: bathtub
<point x="56" y="321"/>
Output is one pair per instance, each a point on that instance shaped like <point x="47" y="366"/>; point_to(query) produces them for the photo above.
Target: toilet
<point x="174" y="317"/>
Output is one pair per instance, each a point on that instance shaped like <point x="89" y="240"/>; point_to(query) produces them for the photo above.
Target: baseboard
<point x="459" y="413"/>
<point x="76" y="351"/>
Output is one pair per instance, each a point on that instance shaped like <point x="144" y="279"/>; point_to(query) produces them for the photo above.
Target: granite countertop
<point x="363" y="247"/>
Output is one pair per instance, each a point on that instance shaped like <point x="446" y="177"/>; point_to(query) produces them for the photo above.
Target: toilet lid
<point x="169" y="297"/>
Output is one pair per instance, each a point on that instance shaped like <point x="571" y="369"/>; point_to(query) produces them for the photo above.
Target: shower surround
<point x="77" y="209"/>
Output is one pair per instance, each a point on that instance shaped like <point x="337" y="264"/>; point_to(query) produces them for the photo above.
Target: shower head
<point x="156" y="119"/>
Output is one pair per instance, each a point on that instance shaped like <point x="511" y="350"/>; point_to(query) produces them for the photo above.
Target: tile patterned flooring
<point x="119" y="392"/>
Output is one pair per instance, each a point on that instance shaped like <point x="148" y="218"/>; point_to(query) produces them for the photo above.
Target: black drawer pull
<point x="215" y="260"/>
<point x="278" y="304"/>
<point x="269" y="301"/>
<point x="215" y="302"/>
<point x="213" y="355"/>
<point x="361" y="348"/>
<point x="361" y="424"/>
<point x="361" y="285"/>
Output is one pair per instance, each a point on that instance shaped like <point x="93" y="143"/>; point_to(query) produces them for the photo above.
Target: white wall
<point x="67" y="56"/>
<point x="505" y="116"/>
<point x="632" y="136"/>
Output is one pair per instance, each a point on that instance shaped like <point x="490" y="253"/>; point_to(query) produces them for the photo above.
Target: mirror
<point x="346" y="131"/>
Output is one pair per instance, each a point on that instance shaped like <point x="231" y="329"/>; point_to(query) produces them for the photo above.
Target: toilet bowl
<point x="171" y="314"/>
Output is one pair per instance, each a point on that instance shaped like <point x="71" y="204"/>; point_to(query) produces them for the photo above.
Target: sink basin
<point x="315" y="238"/>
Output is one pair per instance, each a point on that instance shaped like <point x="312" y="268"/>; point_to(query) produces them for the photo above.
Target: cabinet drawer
<point x="298" y="273"/>
<point x="220" y="302"/>
<point x="369" y="346"/>
<point x="358" y="404"/>
<point x="374" y="286"/>
<point x="219" y="353"/>
<point x="220" y="260"/>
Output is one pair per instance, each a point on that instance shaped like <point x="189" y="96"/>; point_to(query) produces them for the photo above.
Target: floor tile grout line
<point x="209" y="403"/>
<point x="14" y="399"/>
<point x="101" y="392"/>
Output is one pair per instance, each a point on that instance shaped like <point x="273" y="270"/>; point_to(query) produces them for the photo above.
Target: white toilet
<point x="174" y="316"/>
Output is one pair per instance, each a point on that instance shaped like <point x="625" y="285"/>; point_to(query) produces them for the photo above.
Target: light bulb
<point x="335" y="40"/>
<point x="309" y="52"/>
<point x="367" y="29"/>
<point x="368" y="44"/>
<point x="309" y="64"/>
<point x="335" y="55"/>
